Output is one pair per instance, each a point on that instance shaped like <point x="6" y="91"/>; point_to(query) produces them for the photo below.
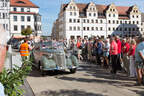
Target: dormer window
<point x="110" y="9"/>
<point x="74" y="8"/>
<point x="70" y="7"/>
<point x="94" y="9"/>
<point x="90" y="8"/>
<point x="20" y="2"/>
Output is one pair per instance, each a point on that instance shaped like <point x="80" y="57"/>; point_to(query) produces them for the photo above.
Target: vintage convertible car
<point x="52" y="56"/>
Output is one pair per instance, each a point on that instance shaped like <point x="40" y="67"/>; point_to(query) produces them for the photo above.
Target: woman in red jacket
<point x="131" y="55"/>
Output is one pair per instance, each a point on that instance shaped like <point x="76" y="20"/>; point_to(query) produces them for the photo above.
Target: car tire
<point x="73" y="70"/>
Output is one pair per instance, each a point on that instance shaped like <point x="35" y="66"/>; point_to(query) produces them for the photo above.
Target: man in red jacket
<point x="119" y="44"/>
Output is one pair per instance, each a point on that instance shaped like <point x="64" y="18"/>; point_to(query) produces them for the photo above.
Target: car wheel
<point x="73" y="70"/>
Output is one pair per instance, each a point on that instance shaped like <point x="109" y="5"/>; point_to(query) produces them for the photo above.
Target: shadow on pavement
<point x="67" y="93"/>
<point x="36" y="73"/>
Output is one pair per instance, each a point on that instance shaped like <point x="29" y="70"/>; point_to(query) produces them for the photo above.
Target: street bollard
<point x="10" y="57"/>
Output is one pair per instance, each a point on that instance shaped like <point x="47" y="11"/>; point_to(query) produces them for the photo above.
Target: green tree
<point x="27" y="31"/>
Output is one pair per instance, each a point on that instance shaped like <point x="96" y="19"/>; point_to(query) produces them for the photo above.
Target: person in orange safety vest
<point x="24" y="50"/>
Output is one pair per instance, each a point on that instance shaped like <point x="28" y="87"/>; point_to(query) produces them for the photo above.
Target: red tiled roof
<point x="122" y="10"/>
<point x="13" y="12"/>
<point x="22" y="3"/>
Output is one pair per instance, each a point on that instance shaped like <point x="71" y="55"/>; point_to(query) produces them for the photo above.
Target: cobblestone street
<point x="90" y="80"/>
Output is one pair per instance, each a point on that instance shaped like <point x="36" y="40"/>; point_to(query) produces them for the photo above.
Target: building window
<point x="87" y="21"/>
<point x="125" y="22"/>
<point x="94" y="14"/>
<point x="133" y="22"/>
<point x="113" y="15"/>
<point x="113" y="21"/>
<point x="88" y="28"/>
<point x="28" y="9"/>
<point x="22" y="18"/>
<point x="133" y="16"/>
<point x="89" y="14"/>
<point x="113" y="28"/>
<point x="92" y="21"/>
<point x="129" y="29"/>
<point x="74" y="20"/>
<point x="74" y="8"/>
<point x="84" y="28"/>
<point x="141" y="29"/>
<point x="137" y="29"/>
<point x="133" y="29"/>
<point x="129" y="22"/>
<point x="75" y="14"/>
<point x="120" y="29"/>
<point x="78" y="28"/>
<point x="109" y="29"/>
<point x="70" y="7"/>
<point x="22" y="9"/>
<point x="96" y="28"/>
<point x="137" y="16"/>
<point x="15" y="28"/>
<point x="28" y="18"/>
<point x="15" y="9"/>
<point x="70" y="20"/>
<point x="101" y="28"/>
<point x="137" y="22"/>
<point x="120" y="22"/>
<point x="125" y="29"/>
<point x="74" y="28"/>
<point x="109" y="15"/>
<point x="84" y="21"/>
<point x="92" y="28"/>
<point x="78" y="21"/>
<point x="15" y="18"/>
<point x="70" y="13"/>
<point x="117" y="22"/>
<point x="101" y="21"/>
<point x="96" y="21"/>
<point x="22" y="27"/>
<point x="109" y="21"/>
<point x="70" y="28"/>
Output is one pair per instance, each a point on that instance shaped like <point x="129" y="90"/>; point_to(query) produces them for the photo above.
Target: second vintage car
<point x="52" y="56"/>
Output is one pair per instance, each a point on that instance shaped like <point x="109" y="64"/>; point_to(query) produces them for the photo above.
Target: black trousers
<point x="114" y="63"/>
<point x="119" y="62"/>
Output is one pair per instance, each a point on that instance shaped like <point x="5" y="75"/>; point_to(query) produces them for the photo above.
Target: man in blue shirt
<point x="139" y="58"/>
<point x="1" y="90"/>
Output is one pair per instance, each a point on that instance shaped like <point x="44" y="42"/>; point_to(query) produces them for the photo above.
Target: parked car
<point x="52" y="56"/>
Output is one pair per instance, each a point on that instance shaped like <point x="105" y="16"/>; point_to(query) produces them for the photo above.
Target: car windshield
<point x="52" y="45"/>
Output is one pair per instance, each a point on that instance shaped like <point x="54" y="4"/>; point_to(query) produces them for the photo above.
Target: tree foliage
<point x="27" y="31"/>
<point x="13" y="80"/>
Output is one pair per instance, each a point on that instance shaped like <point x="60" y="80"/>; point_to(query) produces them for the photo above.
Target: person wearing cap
<point x="139" y="58"/>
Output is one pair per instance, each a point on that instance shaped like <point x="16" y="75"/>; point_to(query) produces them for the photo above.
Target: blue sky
<point x="49" y="9"/>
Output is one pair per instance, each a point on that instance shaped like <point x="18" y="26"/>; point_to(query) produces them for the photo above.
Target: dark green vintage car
<point x="52" y="56"/>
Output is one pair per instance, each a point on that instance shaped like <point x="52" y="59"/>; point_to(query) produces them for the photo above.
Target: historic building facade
<point x="4" y="14"/>
<point x="23" y="14"/>
<point x="86" y="20"/>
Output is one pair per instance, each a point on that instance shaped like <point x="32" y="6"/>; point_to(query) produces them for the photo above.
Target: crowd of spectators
<point x="114" y="53"/>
